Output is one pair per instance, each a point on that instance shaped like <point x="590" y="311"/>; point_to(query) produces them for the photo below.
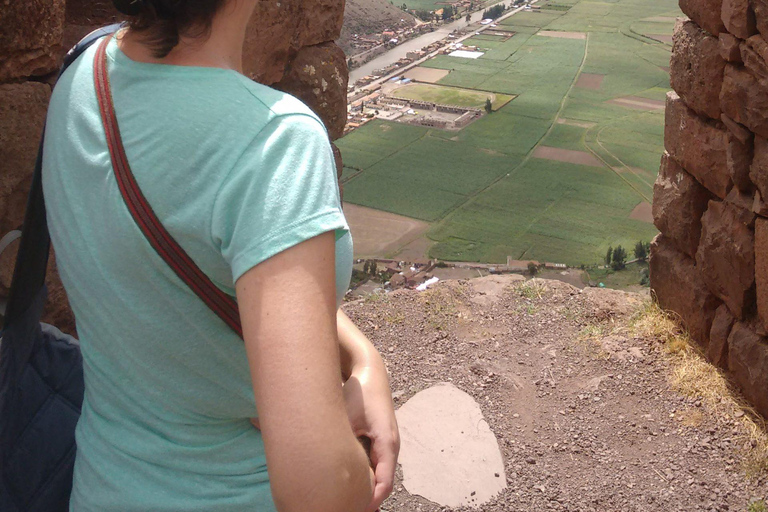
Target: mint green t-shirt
<point x="237" y="172"/>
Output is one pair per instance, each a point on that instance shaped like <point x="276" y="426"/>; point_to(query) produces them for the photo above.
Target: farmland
<point x="589" y="78"/>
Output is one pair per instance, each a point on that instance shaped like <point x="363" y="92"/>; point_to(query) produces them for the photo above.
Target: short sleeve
<point x="281" y="192"/>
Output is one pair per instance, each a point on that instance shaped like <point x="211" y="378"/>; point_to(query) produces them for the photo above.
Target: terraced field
<point x="590" y="78"/>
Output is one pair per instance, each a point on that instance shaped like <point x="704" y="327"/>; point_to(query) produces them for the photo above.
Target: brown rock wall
<point x="726" y="255"/>
<point x="739" y="18"/>
<point x="744" y="99"/>
<point x="679" y="287"/>
<point x="30" y="38"/>
<point x="696" y="69"/>
<point x="748" y="363"/>
<point x="761" y="270"/>
<point x="705" y="13"/>
<point x="730" y="159"/>
<point x="700" y="146"/>
<point x="679" y="201"/>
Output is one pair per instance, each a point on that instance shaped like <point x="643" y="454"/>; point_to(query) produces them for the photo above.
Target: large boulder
<point x="717" y="352"/>
<point x="740" y="152"/>
<point x="729" y="48"/>
<point x="754" y="54"/>
<point x="706" y="14"/>
<point x="758" y="172"/>
<point x="696" y="69"/>
<point x="739" y="18"/>
<point x="726" y="255"/>
<point x="744" y="99"/>
<point x="30" y="37"/>
<point x="761" y="15"/>
<point x="318" y="76"/>
<point x="699" y="145"/>
<point x="678" y="286"/>
<point x="679" y="201"/>
<point x="748" y="362"/>
<point x="761" y="270"/>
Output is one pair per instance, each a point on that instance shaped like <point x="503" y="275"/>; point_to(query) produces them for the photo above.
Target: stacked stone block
<point x="710" y="262"/>
<point x="289" y="45"/>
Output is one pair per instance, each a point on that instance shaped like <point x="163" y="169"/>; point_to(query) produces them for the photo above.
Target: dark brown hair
<point x="162" y="23"/>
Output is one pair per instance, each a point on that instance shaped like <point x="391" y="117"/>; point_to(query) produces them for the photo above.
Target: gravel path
<point x="583" y="411"/>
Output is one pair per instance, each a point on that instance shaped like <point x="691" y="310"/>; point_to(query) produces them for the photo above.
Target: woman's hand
<point x="371" y="413"/>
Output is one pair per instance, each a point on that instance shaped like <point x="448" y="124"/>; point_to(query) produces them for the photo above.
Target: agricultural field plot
<point x="514" y="183"/>
<point x="451" y="95"/>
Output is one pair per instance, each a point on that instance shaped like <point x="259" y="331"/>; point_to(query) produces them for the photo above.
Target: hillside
<point x="591" y="399"/>
<point x="368" y="18"/>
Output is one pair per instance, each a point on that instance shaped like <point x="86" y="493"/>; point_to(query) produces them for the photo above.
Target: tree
<point x="488" y="105"/>
<point x="469" y="16"/>
<point x="619" y="258"/>
<point x="373" y="267"/>
<point x="640" y="251"/>
<point x="447" y="13"/>
<point x="608" y="256"/>
<point x="533" y="269"/>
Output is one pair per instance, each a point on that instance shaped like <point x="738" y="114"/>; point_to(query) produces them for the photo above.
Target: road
<point x="400" y="51"/>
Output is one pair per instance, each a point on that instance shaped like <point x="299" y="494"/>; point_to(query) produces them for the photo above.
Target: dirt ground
<point x="428" y="75"/>
<point x="562" y="35"/>
<point x="378" y="233"/>
<point x="643" y="212"/>
<point x="583" y="423"/>
<point x="637" y="103"/>
<point x="567" y="155"/>
<point x="418" y="249"/>
<point x="591" y="81"/>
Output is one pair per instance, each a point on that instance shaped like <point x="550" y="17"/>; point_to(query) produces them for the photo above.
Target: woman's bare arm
<point x="369" y="403"/>
<point x="288" y="310"/>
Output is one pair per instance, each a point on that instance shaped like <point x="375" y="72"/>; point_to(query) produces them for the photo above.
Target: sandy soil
<point x="429" y="75"/>
<point x="567" y="155"/>
<point x="584" y="424"/>
<point x="638" y="103"/>
<point x="642" y="211"/>
<point x="571" y="122"/>
<point x="418" y="249"/>
<point x="562" y="35"/>
<point x="377" y="233"/>
<point x="590" y="81"/>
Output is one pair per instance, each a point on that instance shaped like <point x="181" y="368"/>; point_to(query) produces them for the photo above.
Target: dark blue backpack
<point x="41" y="370"/>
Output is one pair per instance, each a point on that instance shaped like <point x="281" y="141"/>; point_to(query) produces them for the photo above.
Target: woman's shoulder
<point x="279" y="104"/>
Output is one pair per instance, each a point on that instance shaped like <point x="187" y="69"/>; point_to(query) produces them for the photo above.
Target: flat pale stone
<point x="448" y="453"/>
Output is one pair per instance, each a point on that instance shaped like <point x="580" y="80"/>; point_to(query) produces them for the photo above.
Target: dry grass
<point x="531" y="289"/>
<point x="441" y="304"/>
<point x="693" y="376"/>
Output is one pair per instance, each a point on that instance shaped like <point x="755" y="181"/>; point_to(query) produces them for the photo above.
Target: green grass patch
<point x="450" y="95"/>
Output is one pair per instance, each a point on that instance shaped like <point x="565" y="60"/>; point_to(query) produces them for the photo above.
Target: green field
<point x="486" y="194"/>
<point x="451" y="95"/>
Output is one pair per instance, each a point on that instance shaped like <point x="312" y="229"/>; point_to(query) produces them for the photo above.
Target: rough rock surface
<point x="739" y="159"/>
<point x="739" y="18"/>
<point x="745" y="99"/>
<point x="761" y="269"/>
<point x="696" y="69"/>
<point x="726" y="255"/>
<point x="679" y="287"/>
<point x="754" y="53"/>
<point x="448" y="453"/>
<point x="679" y="201"/>
<point x="717" y="351"/>
<point x="698" y="145"/>
<point x="318" y="76"/>
<point x="761" y="15"/>
<point x="729" y="48"/>
<point x="30" y="37"/>
<point x="748" y="361"/>
<point x="759" y="170"/>
<point x="583" y="423"/>
<point x="705" y="13"/>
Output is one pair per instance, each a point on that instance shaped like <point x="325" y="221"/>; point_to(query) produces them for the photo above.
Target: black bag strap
<point x="222" y="304"/>
<point x="32" y="259"/>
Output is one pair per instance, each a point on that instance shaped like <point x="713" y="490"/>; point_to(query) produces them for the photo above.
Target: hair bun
<point x="129" y="7"/>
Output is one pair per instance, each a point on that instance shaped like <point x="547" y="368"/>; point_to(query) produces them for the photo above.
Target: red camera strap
<point x="219" y="302"/>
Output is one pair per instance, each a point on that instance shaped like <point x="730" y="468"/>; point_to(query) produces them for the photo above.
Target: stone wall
<point x="710" y="262"/>
<point x="289" y="46"/>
